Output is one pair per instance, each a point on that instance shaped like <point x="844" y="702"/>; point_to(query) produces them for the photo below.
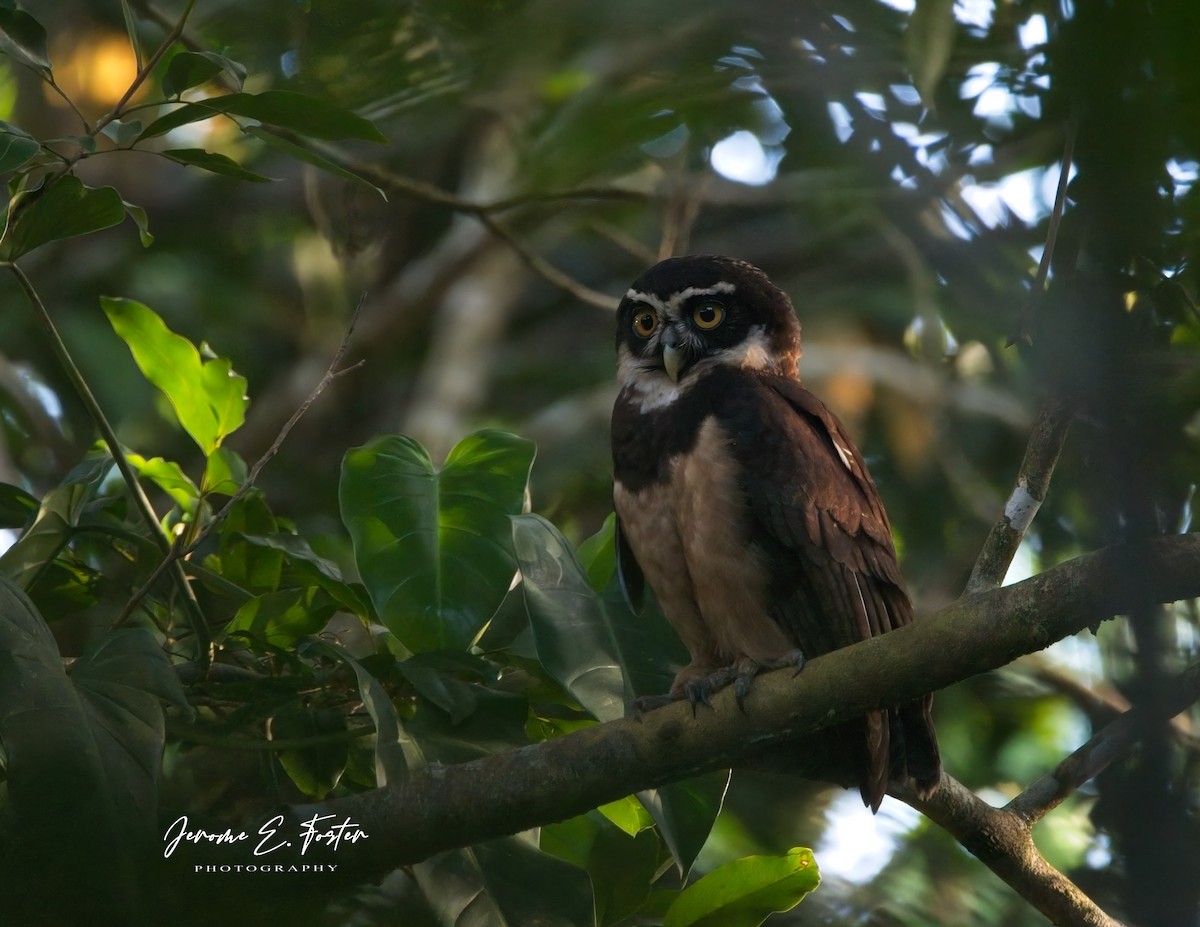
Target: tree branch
<point x="1033" y="480"/>
<point x="441" y="807"/>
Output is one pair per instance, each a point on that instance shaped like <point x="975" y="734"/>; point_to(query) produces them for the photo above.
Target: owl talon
<point x="638" y="707"/>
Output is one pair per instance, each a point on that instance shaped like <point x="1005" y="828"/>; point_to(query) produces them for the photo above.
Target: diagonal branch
<point x="1033" y="480"/>
<point x="1046" y="793"/>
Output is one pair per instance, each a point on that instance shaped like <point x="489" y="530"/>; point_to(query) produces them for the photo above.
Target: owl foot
<point x="746" y="669"/>
<point x="647" y="703"/>
<point x="698" y="688"/>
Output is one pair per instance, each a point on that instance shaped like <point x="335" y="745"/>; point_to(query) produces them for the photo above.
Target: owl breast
<point x="690" y="536"/>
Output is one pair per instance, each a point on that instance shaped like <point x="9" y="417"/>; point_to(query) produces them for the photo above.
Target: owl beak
<point x="672" y="361"/>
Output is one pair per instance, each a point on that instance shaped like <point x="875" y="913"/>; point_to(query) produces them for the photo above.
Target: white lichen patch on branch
<point x="1021" y="507"/>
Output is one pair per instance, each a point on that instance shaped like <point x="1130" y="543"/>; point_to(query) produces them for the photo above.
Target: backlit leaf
<point x="208" y="398"/>
<point x="745" y="892"/>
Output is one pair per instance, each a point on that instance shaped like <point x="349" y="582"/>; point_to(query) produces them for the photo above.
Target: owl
<point x="744" y="504"/>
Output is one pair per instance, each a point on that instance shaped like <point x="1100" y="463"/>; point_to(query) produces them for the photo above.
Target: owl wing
<point x="818" y="518"/>
<point x="816" y="506"/>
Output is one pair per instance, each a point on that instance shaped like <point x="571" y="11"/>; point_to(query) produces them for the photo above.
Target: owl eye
<point x="708" y="316"/>
<point x="645" y="323"/>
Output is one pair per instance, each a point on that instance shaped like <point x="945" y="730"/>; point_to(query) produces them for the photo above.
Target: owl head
<point x="687" y="315"/>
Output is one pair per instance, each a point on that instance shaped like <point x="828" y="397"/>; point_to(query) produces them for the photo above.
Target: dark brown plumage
<point x="745" y="505"/>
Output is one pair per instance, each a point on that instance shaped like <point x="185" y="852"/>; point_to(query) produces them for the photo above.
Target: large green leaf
<point x="434" y="547"/>
<point x="505" y="883"/>
<point x="574" y="634"/>
<point x="209" y="399"/>
<point x="745" y="892"/>
<point x="287" y="109"/>
<point x="63" y="209"/>
<point x="622" y="867"/>
<point x="83" y="750"/>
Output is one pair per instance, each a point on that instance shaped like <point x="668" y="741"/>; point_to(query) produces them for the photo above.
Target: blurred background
<point x="893" y="168"/>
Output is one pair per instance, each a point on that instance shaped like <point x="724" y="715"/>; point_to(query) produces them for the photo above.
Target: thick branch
<point x="441" y="807"/>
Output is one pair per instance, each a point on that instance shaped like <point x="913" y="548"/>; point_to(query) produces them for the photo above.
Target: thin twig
<point x="148" y="68"/>
<point x="194" y="735"/>
<point x="543" y="268"/>
<point x="109" y="436"/>
<point x="1024" y="330"/>
<point x="175" y="554"/>
<point x="1033" y="480"/>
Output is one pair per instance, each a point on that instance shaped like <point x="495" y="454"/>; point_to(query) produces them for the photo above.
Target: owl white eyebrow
<point x="672" y="303"/>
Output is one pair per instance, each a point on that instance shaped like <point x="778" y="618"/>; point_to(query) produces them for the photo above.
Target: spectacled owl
<point x="745" y="505"/>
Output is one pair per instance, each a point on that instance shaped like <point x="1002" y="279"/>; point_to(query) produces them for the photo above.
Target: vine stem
<point x="199" y="627"/>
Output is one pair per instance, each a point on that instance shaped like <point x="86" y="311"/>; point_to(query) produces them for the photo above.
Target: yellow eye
<point x="645" y="322"/>
<point x="708" y="316"/>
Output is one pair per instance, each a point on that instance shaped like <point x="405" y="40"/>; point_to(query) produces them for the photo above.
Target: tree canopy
<point x="305" y="374"/>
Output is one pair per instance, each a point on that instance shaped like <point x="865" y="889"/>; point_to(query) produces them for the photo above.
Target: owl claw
<point x="638" y="707"/>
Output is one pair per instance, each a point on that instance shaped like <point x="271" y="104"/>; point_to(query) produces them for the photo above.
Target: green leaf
<point x="746" y="892"/>
<point x="23" y="39"/>
<point x="170" y="478"/>
<point x="685" y="812"/>
<point x="224" y="472"/>
<point x="302" y="566"/>
<point x="208" y="398"/>
<point x="141" y="220"/>
<point x="214" y="163"/>
<point x="131" y="31"/>
<point x="281" y="618"/>
<point x="434" y="548"/>
<point x="315" y="770"/>
<point x="287" y="109"/>
<point x="574" y="636"/>
<point x="427" y="674"/>
<point x="83" y="751"/>
<point x="628" y="814"/>
<point x="300" y="153"/>
<point x="598" y="554"/>
<point x="16" y="148"/>
<point x="122" y="134"/>
<point x="17" y="507"/>
<point x="395" y="751"/>
<point x="928" y="44"/>
<point x="54" y="526"/>
<point x="622" y="867"/>
<point x="190" y="69"/>
<point x="64" y="209"/>
<point x="505" y="882"/>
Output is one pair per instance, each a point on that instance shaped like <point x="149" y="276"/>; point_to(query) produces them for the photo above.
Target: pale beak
<point x="672" y="358"/>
